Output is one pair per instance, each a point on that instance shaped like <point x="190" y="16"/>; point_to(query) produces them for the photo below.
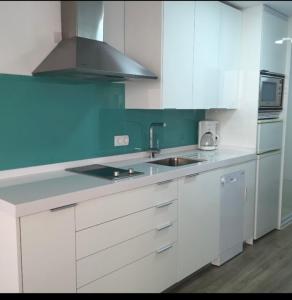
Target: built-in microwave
<point x="271" y="91"/>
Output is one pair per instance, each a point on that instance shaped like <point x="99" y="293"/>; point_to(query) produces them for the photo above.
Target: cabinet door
<point x="178" y="45"/>
<point x="199" y="203"/>
<point x="229" y="56"/>
<point x="273" y="55"/>
<point x="48" y="252"/>
<point x="143" y="36"/>
<point x="268" y="187"/>
<point x="206" y="47"/>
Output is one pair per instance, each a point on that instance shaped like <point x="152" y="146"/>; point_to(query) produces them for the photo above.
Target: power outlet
<point x="121" y="140"/>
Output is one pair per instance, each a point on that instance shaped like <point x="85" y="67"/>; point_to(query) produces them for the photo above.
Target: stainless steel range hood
<point x="82" y="54"/>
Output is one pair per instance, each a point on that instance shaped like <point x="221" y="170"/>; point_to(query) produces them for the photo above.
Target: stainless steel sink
<point x="176" y="161"/>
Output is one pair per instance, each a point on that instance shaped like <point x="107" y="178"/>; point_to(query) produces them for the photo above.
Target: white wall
<point x="29" y="30"/>
<point x="239" y="127"/>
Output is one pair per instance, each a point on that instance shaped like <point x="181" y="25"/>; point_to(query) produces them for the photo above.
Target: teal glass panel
<point x="45" y="121"/>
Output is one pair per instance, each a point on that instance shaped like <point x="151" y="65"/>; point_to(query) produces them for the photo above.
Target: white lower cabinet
<point x="48" y="252"/>
<point x="153" y="273"/>
<point x="198" y="221"/>
<point x="166" y="232"/>
<point x="199" y="216"/>
<point x="95" y="266"/>
<point x="268" y="192"/>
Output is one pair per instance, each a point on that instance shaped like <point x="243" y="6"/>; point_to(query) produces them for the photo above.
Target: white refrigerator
<point x="269" y="145"/>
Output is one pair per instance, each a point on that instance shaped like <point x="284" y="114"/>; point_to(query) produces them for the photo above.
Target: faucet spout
<point x="154" y="149"/>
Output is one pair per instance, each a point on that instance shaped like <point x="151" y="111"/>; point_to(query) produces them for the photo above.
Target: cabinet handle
<point x="192" y="175"/>
<point x="164" y="226"/>
<point x="63" y="207"/>
<point x="167" y="203"/>
<point x="164" y="248"/>
<point x="164" y="182"/>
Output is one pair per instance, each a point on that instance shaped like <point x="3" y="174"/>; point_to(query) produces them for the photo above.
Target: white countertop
<point x="24" y="195"/>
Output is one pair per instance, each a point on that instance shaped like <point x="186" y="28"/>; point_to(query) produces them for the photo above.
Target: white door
<point x="229" y="56"/>
<point x="269" y="135"/>
<point x="48" y="252"/>
<point x="178" y="45"/>
<point x="198" y="221"/>
<point x="267" y="196"/>
<point x="206" y="48"/>
<point x="273" y="56"/>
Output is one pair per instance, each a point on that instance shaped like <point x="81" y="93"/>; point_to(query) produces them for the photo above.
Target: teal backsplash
<point x="44" y="121"/>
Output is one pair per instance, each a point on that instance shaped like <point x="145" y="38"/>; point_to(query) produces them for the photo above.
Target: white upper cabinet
<point x="178" y="45"/>
<point x="192" y="46"/>
<point x="216" y="55"/>
<point x="275" y="27"/>
<point x="229" y="56"/>
<point x="160" y="36"/>
<point x="206" y="54"/>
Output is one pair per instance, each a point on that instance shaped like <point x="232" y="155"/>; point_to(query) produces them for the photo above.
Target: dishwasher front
<point x="231" y="232"/>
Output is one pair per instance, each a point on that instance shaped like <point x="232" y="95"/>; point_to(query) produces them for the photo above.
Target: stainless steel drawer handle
<point x="192" y="175"/>
<point x="164" y="248"/>
<point x="63" y="207"/>
<point x="167" y="203"/>
<point x="164" y="182"/>
<point x="164" y="226"/>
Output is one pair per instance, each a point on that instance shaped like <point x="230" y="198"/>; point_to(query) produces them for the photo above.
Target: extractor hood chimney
<point x="82" y="53"/>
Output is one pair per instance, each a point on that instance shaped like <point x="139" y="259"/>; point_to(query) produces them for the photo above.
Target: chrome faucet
<point x="154" y="149"/>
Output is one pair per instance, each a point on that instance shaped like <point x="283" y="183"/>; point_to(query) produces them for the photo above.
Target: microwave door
<point x="271" y="93"/>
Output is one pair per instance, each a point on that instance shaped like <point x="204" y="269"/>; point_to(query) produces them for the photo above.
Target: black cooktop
<point x="105" y="172"/>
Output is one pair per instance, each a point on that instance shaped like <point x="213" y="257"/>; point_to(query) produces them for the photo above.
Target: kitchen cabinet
<point x="206" y="54"/>
<point x="216" y="55"/>
<point x="229" y="57"/>
<point x="192" y="46"/>
<point x="178" y="45"/>
<point x="267" y="192"/>
<point x="48" y="251"/>
<point x="128" y="242"/>
<point x="274" y="27"/>
<point x="198" y="235"/>
<point x="101" y="245"/>
<point x="199" y="216"/>
<point x="141" y="240"/>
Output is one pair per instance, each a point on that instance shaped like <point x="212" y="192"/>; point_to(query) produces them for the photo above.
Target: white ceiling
<point x="285" y="7"/>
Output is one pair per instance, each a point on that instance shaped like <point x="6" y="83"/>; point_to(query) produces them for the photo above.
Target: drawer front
<point x="104" y="262"/>
<point x="97" y="211"/>
<point x="269" y="136"/>
<point x="152" y="274"/>
<point x="97" y="238"/>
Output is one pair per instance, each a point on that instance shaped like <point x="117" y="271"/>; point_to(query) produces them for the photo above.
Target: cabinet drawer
<point x="94" y="239"/>
<point x="104" y="262"/>
<point x="97" y="211"/>
<point x="269" y="136"/>
<point x="152" y="274"/>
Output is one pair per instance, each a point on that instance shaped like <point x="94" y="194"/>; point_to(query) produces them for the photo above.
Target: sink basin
<point x="176" y="161"/>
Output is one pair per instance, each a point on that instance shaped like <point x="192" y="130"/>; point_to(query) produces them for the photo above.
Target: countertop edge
<point x="46" y="204"/>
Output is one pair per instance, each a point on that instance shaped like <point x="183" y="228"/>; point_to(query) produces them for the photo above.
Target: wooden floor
<point x="265" y="267"/>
